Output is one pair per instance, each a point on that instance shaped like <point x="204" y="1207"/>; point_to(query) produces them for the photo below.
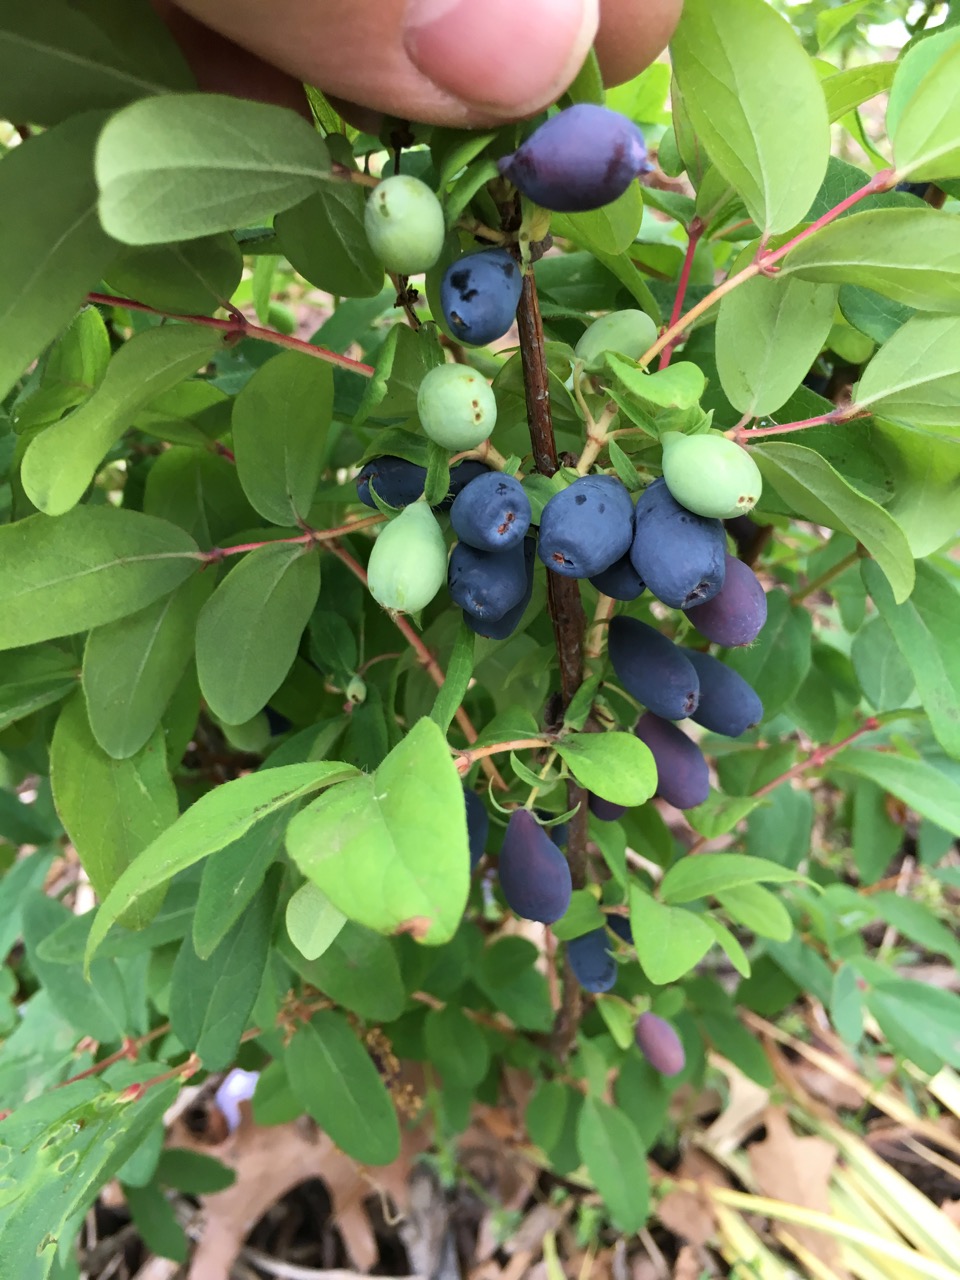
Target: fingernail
<point x="513" y="56"/>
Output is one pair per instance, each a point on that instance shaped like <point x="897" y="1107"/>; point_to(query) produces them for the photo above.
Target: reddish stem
<point x="216" y="554"/>
<point x="824" y="419"/>
<point x="239" y="326"/>
<point x="819" y="756"/>
<point x="694" y="234"/>
<point x="882" y="181"/>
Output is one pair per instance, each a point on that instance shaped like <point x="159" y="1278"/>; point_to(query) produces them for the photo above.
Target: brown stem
<point x="827" y="577"/>
<point x="566" y="614"/>
<point x="238" y="326"/>
<point x="426" y="660"/>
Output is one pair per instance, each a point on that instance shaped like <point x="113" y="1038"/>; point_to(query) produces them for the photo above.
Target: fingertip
<point x="507" y="57"/>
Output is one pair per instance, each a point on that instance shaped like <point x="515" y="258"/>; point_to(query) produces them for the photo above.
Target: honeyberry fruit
<point x="479" y="296"/>
<point x="487" y="583"/>
<point x="605" y="810"/>
<point x="653" y="669"/>
<point x="710" y="475"/>
<point x="408" y="562"/>
<point x="683" y="776"/>
<point x="679" y="555"/>
<point x="534" y="874"/>
<point x="492" y="513"/>
<point x="404" y="224"/>
<point x="478" y="825"/>
<point x="580" y="159"/>
<point x="628" y="333"/>
<point x="621" y="927"/>
<point x="500" y="628"/>
<point x="586" y="527"/>
<point x="620" y="580"/>
<point x="659" y="1043"/>
<point x="399" y="482"/>
<point x="592" y="961"/>
<point x="456" y="406"/>
<point x="728" y="705"/>
<point x="736" y="614"/>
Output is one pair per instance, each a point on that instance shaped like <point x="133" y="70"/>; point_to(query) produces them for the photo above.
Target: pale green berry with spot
<point x="408" y="563"/>
<point x="456" y="407"/>
<point x="404" y="224"/>
<point x="628" y="333"/>
<point x="710" y="475"/>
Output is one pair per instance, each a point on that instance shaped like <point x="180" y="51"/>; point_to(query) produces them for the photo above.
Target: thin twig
<point x="694" y="234"/>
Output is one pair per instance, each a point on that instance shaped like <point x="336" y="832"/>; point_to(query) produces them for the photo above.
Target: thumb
<point x="500" y="58"/>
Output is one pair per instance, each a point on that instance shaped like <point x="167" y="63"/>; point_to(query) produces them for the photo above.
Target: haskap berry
<point x="534" y="875"/>
<point x="678" y="554"/>
<point x="592" y="962"/>
<point x="487" y="583"/>
<point x="736" y="614"/>
<point x="492" y="513"/>
<point x="652" y="668"/>
<point x="586" y="527"/>
<point x="683" y="776"/>
<point x="479" y="295"/>
<point x="504" y="626"/>
<point x="728" y="705"/>
<point x="580" y="159"/>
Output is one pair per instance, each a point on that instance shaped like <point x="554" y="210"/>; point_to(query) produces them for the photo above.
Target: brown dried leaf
<point x="687" y="1214"/>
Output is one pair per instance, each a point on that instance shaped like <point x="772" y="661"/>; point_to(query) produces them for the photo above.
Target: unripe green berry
<point x="628" y="333"/>
<point x="710" y="475"/>
<point x="456" y="407"/>
<point x="408" y="563"/>
<point x="404" y="224"/>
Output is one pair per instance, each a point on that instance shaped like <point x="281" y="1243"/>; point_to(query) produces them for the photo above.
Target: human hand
<point x="457" y="62"/>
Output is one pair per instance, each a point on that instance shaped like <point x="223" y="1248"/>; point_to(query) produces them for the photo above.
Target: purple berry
<point x="580" y="159"/>
<point x="683" y="778"/>
<point x="534" y="874"/>
<point x="728" y="705"/>
<point x="660" y="1045"/>
<point x="592" y="962"/>
<point x="479" y="295"/>
<point x="736" y="614"/>
<point x="679" y="555"/>
<point x="606" y="810"/>
<point x="652" y="668"/>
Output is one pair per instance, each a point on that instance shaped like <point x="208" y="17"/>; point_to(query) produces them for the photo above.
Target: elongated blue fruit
<point x="592" y="962"/>
<point x="683" y="776"/>
<point x="605" y="810"/>
<point x="580" y="159"/>
<point x="659" y="1043"/>
<point x="620" y="581"/>
<point x="492" y="513"/>
<point x="500" y="628"/>
<point x="728" y="705"/>
<point x="534" y="874"/>
<point x="398" y="482"/>
<point x="586" y="527"/>
<point x="479" y="296"/>
<point x="486" y="583"/>
<point x="478" y="826"/>
<point x="653" y="669"/>
<point x="736" y="614"/>
<point x="679" y="555"/>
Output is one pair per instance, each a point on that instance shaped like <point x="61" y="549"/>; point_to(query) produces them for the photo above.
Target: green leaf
<point x="193" y="1172"/>
<point x="769" y="333"/>
<point x="155" y="1220"/>
<point x="817" y="492"/>
<point x="60" y="58"/>
<point x="910" y="255"/>
<point x="846" y="1005"/>
<point x="771" y="139"/>
<point x="918" y="783"/>
<point x="615" y="766"/>
<point x="457" y="680"/>
<point x="216" y="820"/>
<point x="359" y="970"/>
<point x="920" y="1021"/>
<point x="926" y="497"/>
<point x="923" y="113"/>
<point x="830" y="22"/>
<point x="33" y="679"/>
<point x="678" y="387"/>
<point x="337" y="1084"/>
<point x="708" y="874"/>
<point x="62" y="461"/>
<point x="390" y="851"/>
<point x="670" y="941"/>
<point x="323" y="237"/>
<point x="192" y="278"/>
<point x="403" y="361"/>
<point x="925" y="628"/>
<point x="313" y="922"/>
<point x="758" y="910"/>
<point x="915" y="376"/>
<point x="63" y="574"/>
<point x="916" y="921"/>
<point x="719" y="814"/>
<point x="280" y="423"/>
<point x="846" y="90"/>
<point x="616" y="1161"/>
<point x="54" y="250"/>
<point x="181" y="166"/>
<point x="610" y="230"/>
<point x="250" y="628"/>
<point x="456" y="1047"/>
<point x="132" y="667"/>
<point x="777" y="664"/>
<point x="211" y="999"/>
<point x="882" y="670"/>
<point x="582" y="916"/>
<point x="230" y="878"/>
<point x="111" y="809"/>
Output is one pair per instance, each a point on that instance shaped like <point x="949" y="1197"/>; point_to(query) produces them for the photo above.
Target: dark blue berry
<point x="479" y="296"/>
